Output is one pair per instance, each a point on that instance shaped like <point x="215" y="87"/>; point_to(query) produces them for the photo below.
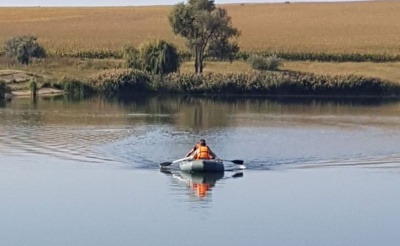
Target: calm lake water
<point x="319" y="172"/>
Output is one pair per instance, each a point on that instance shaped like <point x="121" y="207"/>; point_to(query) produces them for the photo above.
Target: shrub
<point x="272" y="63"/>
<point x="74" y="87"/>
<point x="159" y="57"/>
<point x="24" y="48"/>
<point x="121" y="82"/>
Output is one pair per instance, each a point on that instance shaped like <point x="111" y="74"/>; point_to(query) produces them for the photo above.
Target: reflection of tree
<point x="203" y="113"/>
<point x="194" y="112"/>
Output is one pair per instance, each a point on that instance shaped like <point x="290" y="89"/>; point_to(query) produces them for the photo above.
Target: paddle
<point x="167" y="163"/>
<point x="237" y="175"/>
<point x="237" y="162"/>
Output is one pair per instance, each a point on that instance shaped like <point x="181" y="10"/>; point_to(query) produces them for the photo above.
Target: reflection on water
<point x="268" y="133"/>
<point x="199" y="184"/>
<point x="87" y="172"/>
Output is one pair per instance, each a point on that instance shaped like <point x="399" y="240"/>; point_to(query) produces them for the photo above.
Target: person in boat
<point x="201" y="151"/>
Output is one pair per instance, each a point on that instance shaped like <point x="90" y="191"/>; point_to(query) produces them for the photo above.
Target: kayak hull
<point x="202" y="166"/>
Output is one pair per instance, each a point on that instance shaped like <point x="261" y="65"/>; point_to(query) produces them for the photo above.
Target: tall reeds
<point x="33" y="88"/>
<point x="129" y="82"/>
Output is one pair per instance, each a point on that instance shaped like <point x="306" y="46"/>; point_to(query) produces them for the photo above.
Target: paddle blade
<point x="164" y="164"/>
<point x="237" y="162"/>
<point x="237" y="175"/>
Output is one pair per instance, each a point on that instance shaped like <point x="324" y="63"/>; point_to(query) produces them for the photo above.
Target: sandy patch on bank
<point x="15" y="76"/>
<point x="40" y="92"/>
<point x="16" y="79"/>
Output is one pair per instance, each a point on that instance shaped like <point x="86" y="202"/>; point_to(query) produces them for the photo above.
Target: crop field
<point x="364" y="27"/>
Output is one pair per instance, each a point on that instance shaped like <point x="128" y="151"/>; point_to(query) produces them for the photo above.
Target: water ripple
<point x="68" y="143"/>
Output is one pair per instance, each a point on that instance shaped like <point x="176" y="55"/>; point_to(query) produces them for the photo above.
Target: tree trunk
<point x="196" y="65"/>
<point x="201" y="60"/>
<point x="196" y="60"/>
<point x="201" y="66"/>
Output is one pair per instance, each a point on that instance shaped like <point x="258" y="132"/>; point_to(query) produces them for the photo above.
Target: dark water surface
<point x="319" y="172"/>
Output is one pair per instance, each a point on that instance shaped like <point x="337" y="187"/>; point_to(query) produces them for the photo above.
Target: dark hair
<point x="202" y="142"/>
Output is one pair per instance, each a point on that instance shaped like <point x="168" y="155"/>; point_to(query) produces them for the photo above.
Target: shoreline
<point x="128" y="82"/>
<point x="40" y="92"/>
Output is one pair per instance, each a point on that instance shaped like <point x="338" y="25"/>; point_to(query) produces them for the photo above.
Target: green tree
<point x="206" y="28"/>
<point x="159" y="57"/>
<point x="24" y="48"/>
<point x="222" y="49"/>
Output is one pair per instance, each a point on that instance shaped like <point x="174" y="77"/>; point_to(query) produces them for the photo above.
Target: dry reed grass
<point x="367" y="27"/>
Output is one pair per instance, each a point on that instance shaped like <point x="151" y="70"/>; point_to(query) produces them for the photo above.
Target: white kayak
<point x="202" y="166"/>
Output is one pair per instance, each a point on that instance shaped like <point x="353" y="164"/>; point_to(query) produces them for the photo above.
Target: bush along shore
<point x="131" y="82"/>
<point x="128" y="82"/>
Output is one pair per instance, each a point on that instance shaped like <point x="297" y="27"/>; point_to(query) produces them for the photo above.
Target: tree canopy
<point x="159" y="57"/>
<point x="155" y="56"/>
<point x="206" y="28"/>
<point x="23" y="48"/>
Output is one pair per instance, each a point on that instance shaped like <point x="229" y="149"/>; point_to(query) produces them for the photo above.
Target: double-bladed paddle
<point x="237" y="162"/>
<point x="168" y="163"/>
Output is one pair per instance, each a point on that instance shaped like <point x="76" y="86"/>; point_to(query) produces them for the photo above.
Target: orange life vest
<point x="202" y="152"/>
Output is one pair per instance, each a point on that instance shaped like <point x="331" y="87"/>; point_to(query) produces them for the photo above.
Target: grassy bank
<point x="127" y="82"/>
<point x="55" y="70"/>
